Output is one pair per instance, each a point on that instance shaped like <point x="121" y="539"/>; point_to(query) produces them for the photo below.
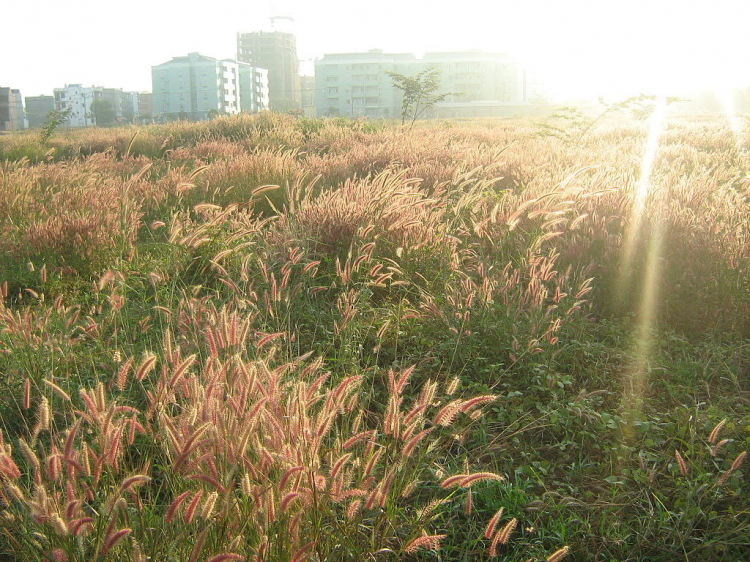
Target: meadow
<point x="276" y="339"/>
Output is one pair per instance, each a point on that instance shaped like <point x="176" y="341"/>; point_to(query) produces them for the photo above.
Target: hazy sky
<point x="578" y="46"/>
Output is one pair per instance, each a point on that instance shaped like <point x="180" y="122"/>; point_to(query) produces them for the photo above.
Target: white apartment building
<point x="254" y="88"/>
<point x="480" y="84"/>
<point x="78" y="99"/>
<point x="196" y="87"/>
<point x="356" y="84"/>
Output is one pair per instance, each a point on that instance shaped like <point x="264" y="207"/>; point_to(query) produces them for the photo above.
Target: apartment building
<point x="254" y="89"/>
<point x="11" y="110"/>
<point x="275" y="51"/>
<point x="307" y="84"/>
<point x="78" y="99"/>
<point x="145" y="107"/>
<point x="196" y="87"/>
<point x="476" y="76"/>
<point x="482" y="84"/>
<point x="125" y="104"/>
<point x="37" y="109"/>
<point x="357" y="84"/>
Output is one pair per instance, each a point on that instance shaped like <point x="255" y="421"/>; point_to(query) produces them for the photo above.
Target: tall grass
<point x="262" y="338"/>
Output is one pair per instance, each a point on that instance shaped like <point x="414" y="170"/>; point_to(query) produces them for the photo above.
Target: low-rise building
<point x="37" y="109"/>
<point x="197" y="87"/>
<point x="11" y="110"/>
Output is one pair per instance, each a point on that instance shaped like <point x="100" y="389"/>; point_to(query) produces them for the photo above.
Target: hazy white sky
<point x="579" y="46"/>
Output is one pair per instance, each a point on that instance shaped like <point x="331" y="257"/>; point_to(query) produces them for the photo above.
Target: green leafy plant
<point x="419" y="91"/>
<point x="55" y="118"/>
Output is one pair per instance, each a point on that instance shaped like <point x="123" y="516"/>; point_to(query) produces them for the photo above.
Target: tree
<point x="103" y="112"/>
<point x="128" y="113"/>
<point x="55" y="118"/>
<point x="418" y="91"/>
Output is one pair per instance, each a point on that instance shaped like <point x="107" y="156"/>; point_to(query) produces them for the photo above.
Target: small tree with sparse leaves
<point x="55" y="118"/>
<point x="419" y="92"/>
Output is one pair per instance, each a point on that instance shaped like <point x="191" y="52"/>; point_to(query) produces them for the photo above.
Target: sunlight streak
<point x="637" y="371"/>
<point x="732" y="115"/>
<point x="656" y="127"/>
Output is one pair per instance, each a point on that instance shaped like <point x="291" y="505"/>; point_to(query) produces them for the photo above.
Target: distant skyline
<point x="579" y="48"/>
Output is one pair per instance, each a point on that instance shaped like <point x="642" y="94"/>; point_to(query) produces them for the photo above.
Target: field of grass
<point x="261" y="338"/>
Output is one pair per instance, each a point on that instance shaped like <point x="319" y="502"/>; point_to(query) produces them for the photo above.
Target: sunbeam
<point x="634" y="385"/>
<point x="636" y="373"/>
<point x="633" y="228"/>
<point x="732" y="115"/>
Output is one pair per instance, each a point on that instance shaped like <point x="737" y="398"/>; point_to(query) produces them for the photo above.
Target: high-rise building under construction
<point x="277" y="52"/>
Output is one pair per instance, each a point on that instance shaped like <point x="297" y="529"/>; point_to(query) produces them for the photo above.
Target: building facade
<point x="307" y="84"/>
<point x="82" y="103"/>
<point x="78" y="99"/>
<point x="37" y="109"/>
<point x="357" y="84"/>
<point x="275" y="51"/>
<point x="253" y="88"/>
<point x="477" y="76"/>
<point x="124" y="104"/>
<point x="11" y="110"/>
<point x="197" y="87"/>
<point x="145" y="107"/>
